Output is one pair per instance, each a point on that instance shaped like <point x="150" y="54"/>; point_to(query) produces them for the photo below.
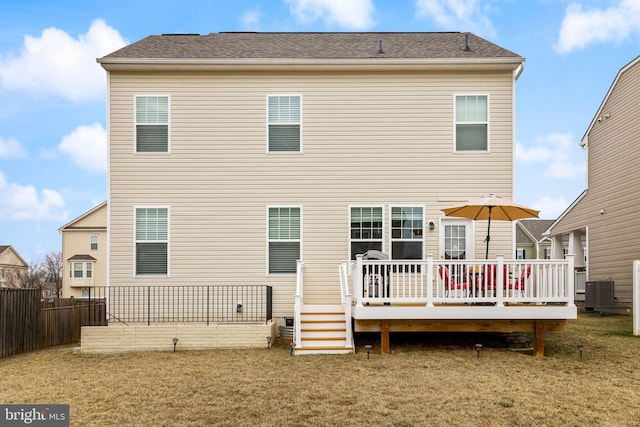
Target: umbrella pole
<point x="486" y="255"/>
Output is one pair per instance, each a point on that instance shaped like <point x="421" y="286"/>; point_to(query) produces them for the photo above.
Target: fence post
<point x="430" y="280"/>
<point x="269" y="304"/>
<point x="636" y="296"/>
<point x="148" y="305"/>
<point x="499" y="281"/>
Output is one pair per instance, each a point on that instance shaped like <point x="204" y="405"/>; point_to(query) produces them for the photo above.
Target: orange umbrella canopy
<point x="491" y="207"/>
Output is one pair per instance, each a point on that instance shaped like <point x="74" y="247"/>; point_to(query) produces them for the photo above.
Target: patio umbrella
<point x="491" y="207"/>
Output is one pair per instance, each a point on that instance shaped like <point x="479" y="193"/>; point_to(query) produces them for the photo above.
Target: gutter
<point x="253" y="64"/>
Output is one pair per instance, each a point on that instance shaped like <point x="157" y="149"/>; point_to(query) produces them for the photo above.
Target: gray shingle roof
<point x="312" y="46"/>
<point x="534" y="226"/>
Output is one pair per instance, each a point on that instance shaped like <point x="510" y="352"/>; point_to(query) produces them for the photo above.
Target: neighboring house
<point x="605" y="214"/>
<point x="84" y="253"/>
<point x="12" y="267"/>
<point x="530" y="241"/>
<point x="272" y="159"/>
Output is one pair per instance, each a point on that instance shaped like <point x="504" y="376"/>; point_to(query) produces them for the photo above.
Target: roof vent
<point x="466" y="43"/>
<point x="380" y="51"/>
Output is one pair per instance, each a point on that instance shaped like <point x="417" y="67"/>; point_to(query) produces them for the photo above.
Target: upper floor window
<point x="365" y="230"/>
<point x="284" y="117"/>
<point x="94" y="243"/>
<point x="472" y="123"/>
<point x="284" y="239"/>
<point x="152" y="124"/>
<point x="152" y="240"/>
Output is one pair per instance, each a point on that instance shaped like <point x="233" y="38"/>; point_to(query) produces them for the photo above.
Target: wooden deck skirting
<point x="386" y="326"/>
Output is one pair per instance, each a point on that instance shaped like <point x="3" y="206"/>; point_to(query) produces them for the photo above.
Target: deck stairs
<point x="323" y="330"/>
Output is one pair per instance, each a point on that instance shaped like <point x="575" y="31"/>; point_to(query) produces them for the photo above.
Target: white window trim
<point x="384" y="247"/>
<point x="135" y="123"/>
<point x="84" y="277"/>
<point x="390" y="219"/>
<point x="97" y="242"/>
<point x="469" y="234"/>
<point x="135" y="252"/>
<point x="455" y="123"/>
<point x="300" y="124"/>
<point x="267" y="240"/>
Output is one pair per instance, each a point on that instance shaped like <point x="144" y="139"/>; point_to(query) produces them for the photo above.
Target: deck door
<point x="456" y="242"/>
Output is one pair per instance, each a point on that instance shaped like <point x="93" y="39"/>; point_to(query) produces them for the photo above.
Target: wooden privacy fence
<point x="28" y="322"/>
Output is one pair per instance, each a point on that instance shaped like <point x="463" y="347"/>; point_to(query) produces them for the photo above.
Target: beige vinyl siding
<point x="76" y="240"/>
<point x="369" y="139"/>
<point x="613" y="183"/>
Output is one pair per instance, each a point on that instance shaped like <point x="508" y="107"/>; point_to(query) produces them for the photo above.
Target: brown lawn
<point x="427" y="380"/>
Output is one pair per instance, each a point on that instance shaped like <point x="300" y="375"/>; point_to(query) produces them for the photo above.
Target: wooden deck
<point x="499" y="295"/>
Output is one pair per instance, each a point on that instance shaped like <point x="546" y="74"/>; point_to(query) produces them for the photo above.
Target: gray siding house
<point x="605" y="214"/>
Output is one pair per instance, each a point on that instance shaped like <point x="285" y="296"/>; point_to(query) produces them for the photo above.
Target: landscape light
<point x="478" y="348"/>
<point x="580" y="348"/>
<point x="268" y="342"/>
<point x="368" y="348"/>
<point x="175" y="341"/>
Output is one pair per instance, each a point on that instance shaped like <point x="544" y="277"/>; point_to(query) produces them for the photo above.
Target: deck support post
<point x="538" y="345"/>
<point x="384" y="336"/>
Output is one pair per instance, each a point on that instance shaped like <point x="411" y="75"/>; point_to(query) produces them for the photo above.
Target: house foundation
<point x="160" y="337"/>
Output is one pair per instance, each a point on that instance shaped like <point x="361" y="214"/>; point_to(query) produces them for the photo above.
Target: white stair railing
<point x="346" y="302"/>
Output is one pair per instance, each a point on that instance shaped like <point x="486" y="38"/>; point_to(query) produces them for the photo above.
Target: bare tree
<point x="52" y="267"/>
<point x="14" y="278"/>
<point x="35" y="276"/>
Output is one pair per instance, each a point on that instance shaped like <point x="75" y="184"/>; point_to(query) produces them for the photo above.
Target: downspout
<point x="516" y="73"/>
<point x="107" y="293"/>
<point x="298" y="305"/>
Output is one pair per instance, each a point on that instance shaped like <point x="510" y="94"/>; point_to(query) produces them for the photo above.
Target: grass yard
<point x="420" y="384"/>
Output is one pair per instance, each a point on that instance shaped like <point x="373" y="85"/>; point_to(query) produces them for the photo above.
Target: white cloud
<point x="57" y="63"/>
<point x="457" y="15"/>
<point x="560" y="154"/>
<point x="550" y="207"/>
<point x="11" y="149"/>
<point x="250" y="20"/>
<point x="581" y="27"/>
<point x="351" y="14"/>
<point x="87" y="147"/>
<point x="23" y="202"/>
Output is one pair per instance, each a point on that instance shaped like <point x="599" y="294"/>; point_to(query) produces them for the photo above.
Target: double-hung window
<point x="365" y="230"/>
<point x="406" y="232"/>
<point x="284" y="118"/>
<point x="472" y="122"/>
<point x="94" y="243"/>
<point x="81" y="269"/>
<point x="284" y="239"/>
<point x="152" y="240"/>
<point x="152" y="124"/>
<point x="78" y="270"/>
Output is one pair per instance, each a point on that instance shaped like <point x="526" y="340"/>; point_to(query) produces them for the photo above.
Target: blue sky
<point x="52" y="91"/>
